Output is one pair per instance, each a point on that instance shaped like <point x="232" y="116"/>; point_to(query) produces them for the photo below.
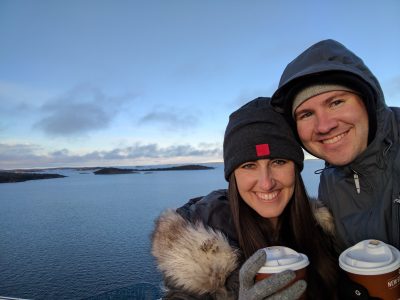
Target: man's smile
<point x="334" y="139"/>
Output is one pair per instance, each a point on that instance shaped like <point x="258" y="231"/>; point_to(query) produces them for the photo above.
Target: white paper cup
<point x="376" y="266"/>
<point x="281" y="258"/>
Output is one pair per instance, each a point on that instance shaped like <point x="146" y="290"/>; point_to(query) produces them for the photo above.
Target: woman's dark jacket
<point x="373" y="211"/>
<point x="197" y="251"/>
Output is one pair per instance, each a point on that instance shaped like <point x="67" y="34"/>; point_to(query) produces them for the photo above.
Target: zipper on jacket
<point x="396" y="233"/>
<point x="397" y="200"/>
<point x="356" y="181"/>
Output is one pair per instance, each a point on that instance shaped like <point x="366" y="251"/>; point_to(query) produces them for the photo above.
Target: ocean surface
<point x="87" y="236"/>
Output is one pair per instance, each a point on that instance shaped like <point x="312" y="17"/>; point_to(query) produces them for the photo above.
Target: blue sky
<point x="99" y="83"/>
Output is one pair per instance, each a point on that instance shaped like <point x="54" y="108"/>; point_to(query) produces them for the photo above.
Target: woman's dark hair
<point x="297" y="228"/>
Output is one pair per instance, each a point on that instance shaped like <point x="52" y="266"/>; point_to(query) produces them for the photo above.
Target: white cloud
<point x="79" y="111"/>
<point x="170" y="118"/>
<point x="32" y="156"/>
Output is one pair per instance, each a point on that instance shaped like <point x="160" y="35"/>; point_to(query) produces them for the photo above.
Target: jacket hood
<point x="322" y="57"/>
<point x="329" y="60"/>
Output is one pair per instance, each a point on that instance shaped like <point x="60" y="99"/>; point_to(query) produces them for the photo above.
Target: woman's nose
<point x="266" y="180"/>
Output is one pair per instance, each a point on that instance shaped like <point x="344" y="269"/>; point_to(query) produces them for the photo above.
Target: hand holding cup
<point x="277" y="286"/>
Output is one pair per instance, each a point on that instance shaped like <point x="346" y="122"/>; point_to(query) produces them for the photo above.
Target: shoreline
<point x="19" y="175"/>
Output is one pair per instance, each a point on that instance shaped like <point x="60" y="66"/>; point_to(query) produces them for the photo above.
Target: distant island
<point x="179" y="168"/>
<point x="111" y="171"/>
<point x="20" y="175"/>
<point x="8" y="177"/>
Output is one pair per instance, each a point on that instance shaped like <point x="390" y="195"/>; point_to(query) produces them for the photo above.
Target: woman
<point x="201" y="246"/>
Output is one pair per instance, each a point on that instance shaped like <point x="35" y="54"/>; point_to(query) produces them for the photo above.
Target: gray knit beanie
<point x="314" y="90"/>
<point x="256" y="131"/>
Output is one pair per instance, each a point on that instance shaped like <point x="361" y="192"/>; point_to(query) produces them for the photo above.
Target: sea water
<point x="86" y="235"/>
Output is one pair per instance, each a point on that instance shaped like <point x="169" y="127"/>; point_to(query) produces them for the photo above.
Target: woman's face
<point x="266" y="185"/>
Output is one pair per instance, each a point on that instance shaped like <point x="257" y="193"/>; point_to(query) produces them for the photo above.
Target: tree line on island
<point x="31" y="174"/>
<point x="112" y="170"/>
<point x="7" y="177"/>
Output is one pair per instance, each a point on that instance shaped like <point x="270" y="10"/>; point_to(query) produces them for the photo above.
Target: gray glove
<point x="267" y="288"/>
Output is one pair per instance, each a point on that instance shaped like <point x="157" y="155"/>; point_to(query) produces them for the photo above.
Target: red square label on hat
<point x="262" y="149"/>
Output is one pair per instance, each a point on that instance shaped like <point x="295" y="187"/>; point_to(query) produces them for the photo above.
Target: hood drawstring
<point x="357" y="182"/>
<point x="355" y="176"/>
<point x="355" y="173"/>
<point x="319" y="171"/>
<point x="390" y="143"/>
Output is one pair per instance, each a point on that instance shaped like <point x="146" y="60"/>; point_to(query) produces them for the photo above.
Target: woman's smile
<point x="267" y="196"/>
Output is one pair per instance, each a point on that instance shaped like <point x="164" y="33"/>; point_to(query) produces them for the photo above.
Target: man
<point x="338" y="109"/>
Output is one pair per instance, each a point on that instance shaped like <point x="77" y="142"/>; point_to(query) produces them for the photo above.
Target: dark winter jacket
<point x="373" y="211"/>
<point x="197" y="251"/>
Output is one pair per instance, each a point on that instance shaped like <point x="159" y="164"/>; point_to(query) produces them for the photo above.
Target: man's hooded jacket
<point x="364" y="196"/>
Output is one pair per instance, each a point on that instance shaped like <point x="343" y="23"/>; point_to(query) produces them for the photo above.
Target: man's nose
<point x="325" y="122"/>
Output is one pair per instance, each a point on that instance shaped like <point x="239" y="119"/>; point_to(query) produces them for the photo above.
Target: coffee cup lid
<point x="370" y="257"/>
<point x="281" y="258"/>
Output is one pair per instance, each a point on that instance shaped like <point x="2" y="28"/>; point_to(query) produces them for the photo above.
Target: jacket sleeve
<point x="199" y="208"/>
<point x="177" y="294"/>
<point x="195" y="261"/>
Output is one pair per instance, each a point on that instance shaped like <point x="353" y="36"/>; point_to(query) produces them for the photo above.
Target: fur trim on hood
<point x="323" y="216"/>
<point x="192" y="257"/>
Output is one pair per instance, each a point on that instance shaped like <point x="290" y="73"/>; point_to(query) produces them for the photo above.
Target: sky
<point x="128" y="83"/>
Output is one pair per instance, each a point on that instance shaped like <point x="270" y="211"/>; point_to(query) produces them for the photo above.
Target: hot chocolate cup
<point x="281" y="258"/>
<point x="376" y="266"/>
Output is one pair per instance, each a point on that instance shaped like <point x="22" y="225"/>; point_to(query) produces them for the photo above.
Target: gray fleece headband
<point x="314" y="90"/>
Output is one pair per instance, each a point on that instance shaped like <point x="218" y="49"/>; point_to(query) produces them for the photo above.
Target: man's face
<point x="333" y="126"/>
